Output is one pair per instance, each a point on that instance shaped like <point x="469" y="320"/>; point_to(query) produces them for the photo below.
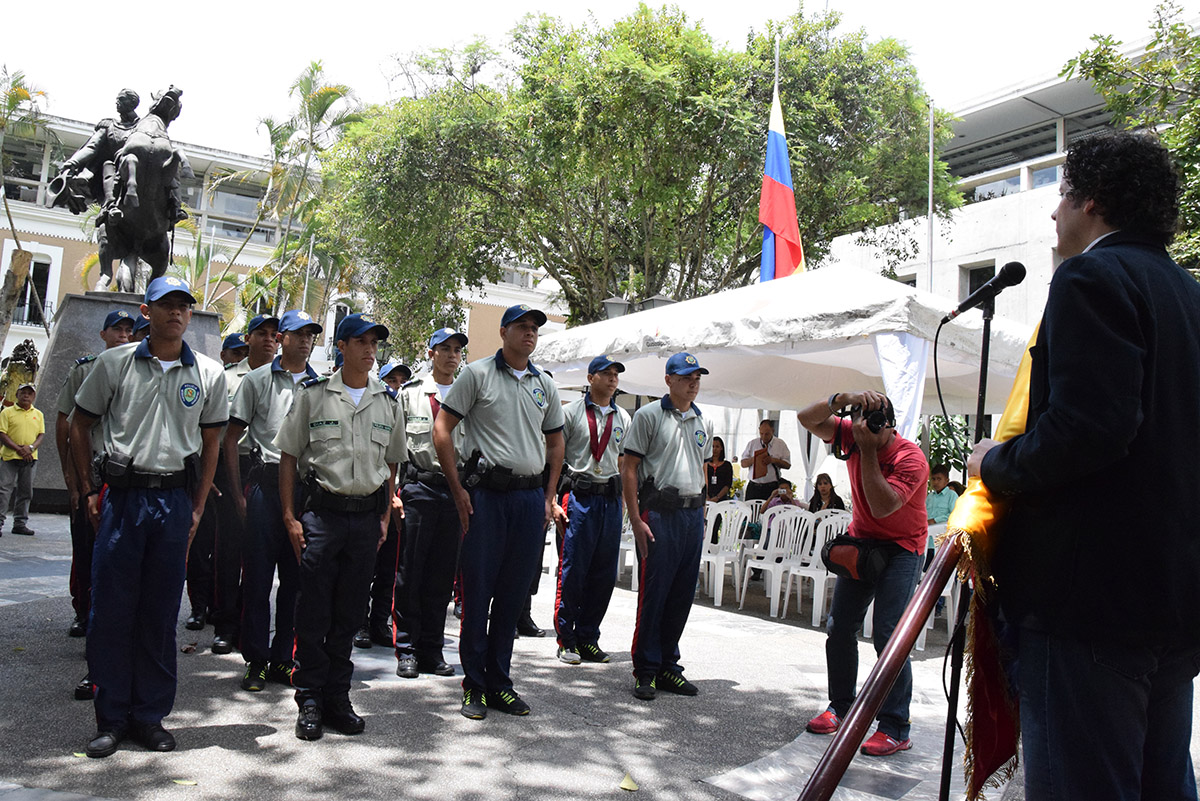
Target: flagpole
<point x="778" y="37"/>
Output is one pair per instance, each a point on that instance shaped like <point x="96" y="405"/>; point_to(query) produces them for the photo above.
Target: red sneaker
<point x="880" y="744"/>
<point x="825" y="723"/>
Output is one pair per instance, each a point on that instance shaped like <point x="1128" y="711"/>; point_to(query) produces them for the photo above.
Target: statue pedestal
<point x="76" y="333"/>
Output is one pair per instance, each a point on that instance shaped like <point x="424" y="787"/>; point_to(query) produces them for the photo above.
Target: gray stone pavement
<point x="760" y="680"/>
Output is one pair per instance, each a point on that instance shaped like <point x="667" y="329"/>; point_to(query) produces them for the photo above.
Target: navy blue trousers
<point x="1105" y="721"/>
<point x="138" y="571"/>
<point x="425" y="574"/>
<point x="666" y="587"/>
<point x="498" y="558"/>
<point x="587" y="568"/>
<point x="335" y="583"/>
<point x="83" y="542"/>
<point x="891" y="594"/>
<point x="266" y="549"/>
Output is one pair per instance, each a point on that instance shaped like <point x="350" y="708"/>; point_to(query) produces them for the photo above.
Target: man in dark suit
<point x="1106" y="598"/>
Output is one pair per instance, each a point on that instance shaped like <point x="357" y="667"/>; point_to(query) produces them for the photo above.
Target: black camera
<point x="877" y="419"/>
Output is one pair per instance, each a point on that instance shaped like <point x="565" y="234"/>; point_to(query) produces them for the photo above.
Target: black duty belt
<point x="501" y="480"/>
<point x="265" y="474"/>
<point x="131" y="479"/>
<point x="320" y="498"/>
<point x="414" y="474"/>
<point x="583" y="484"/>
<point x="668" y="499"/>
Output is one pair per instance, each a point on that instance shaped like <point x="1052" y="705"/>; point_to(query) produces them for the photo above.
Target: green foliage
<point x="625" y="159"/>
<point x="1159" y="90"/>
<point x="947" y="440"/>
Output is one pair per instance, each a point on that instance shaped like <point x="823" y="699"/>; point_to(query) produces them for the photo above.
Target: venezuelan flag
<point x="782" y="252"/>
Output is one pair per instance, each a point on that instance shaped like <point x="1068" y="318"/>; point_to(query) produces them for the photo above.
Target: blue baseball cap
<point x="443" y="334"/>
<point x="261" y="319"/>
<point x="164" y="285"/>
<point x="297" y="319"/>
<point x="118" y="316"/>
<point x="602" y="363"/>
<point x="684" y="364"/>
<point x="355" y="325"/>
<point x="387" y="369"/>
<point x="514" y="313"/>
<point x="233" y="341"/>
<point x="142" y="322"/>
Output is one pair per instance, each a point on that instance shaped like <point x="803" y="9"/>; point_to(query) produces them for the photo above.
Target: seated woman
<point x="824" y="497"/>
<point x="718" y="473"/>
<point x="783" y="496"/>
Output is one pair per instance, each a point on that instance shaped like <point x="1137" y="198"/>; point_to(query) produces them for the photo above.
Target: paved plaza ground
<point x="760" y="680"/>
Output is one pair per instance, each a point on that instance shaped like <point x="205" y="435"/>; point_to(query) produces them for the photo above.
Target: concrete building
<point x="1007" y="152"/>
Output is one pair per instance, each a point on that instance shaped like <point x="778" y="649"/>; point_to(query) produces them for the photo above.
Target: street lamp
<point x="656" y="302"/>
<point x="615" y="307"/>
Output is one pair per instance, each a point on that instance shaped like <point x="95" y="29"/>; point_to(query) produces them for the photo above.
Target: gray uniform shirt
<point x="261" y="403"/>
<point x="578" y="438"/>
<point x="416" y="399"/>
<point x="234" y="375"/>
<point x="672" y="446"/>
<point x="152" y="416"/>
<point x="66" y="398"/>
<point x="347" y="447"/>
<point x="506" y="418"/>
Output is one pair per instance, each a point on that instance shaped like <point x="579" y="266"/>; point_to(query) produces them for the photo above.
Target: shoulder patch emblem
<point x="539" y="397"/>
<point x="701" y="438"/>
<point x="189" y="394"/>
<point x="618" y="433"/>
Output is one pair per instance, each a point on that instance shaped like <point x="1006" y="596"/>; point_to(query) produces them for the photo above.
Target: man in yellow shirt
<point x="21" y="430"/>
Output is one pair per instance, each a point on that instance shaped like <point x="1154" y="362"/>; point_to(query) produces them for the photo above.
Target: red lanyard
<point x="433" y="403"/>
<point x="599" y="444"/>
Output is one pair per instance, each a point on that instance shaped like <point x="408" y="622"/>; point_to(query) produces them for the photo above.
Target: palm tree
<point x="21" y="115"/>
<point x="323" y="113"/>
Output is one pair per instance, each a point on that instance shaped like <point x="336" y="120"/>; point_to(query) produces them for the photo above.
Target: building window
<point x="973" y="276"/>
<point x="908" y="280"/>
<point x="28" y="311"/>
<point x="1045" y="176"/>
<point x="997" y="188"/>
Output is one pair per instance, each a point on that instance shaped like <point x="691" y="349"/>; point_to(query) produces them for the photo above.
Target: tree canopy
<point x="625" y="160"/>
<point x="1160" y="90"/>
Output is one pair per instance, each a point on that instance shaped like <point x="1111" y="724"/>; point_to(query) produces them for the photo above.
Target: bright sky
<point x="235" y="60"/>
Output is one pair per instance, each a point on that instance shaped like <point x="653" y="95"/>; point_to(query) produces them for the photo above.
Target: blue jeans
<point x="891" y="593"/>
<point x="1106" y="722"/>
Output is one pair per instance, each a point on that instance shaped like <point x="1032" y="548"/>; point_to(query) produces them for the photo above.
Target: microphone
<point x="1010" y="274"/>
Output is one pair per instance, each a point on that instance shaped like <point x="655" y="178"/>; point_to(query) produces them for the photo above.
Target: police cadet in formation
<point x="141" y="329"/>
<point x="346" y="435"/>
<point x="161" y="409"/>
<point x="593" y="429"/>
<point x="376" y="628"/>
<point x="429" y="542"/>
<point x="118" y="327"/>
<point x="201" y="570"/>
<point x="262" y="341"/>
<point x="259" y="406"/>
<point x="662" y="477"/>
<point x="513" y="453"/>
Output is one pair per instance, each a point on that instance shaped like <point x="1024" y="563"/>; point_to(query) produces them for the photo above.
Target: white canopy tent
<point x="786" y="343"/>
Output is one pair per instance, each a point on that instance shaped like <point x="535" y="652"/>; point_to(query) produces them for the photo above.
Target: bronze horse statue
<point x="141" y="218"/>
<point x="134" y="173"/>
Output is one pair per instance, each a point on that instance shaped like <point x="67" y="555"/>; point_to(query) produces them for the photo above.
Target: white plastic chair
<point x="733" y="517"/>
<point x="789" y="531"/>
<point x="828" y="523"/>
<point x="755" y="509"/>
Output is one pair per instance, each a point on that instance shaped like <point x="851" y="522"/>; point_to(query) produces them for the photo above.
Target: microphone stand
<point x="958" y="641"/>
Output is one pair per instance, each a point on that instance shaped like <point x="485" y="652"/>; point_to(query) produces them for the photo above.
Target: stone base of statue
<point x="76" y="333"/>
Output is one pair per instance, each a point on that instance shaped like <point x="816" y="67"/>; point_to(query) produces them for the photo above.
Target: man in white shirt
<point x="766" y="456"/>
